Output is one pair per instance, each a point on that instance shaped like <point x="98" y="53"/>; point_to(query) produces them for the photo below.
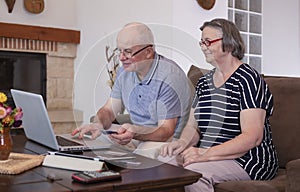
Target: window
<point x="247" y="15"/>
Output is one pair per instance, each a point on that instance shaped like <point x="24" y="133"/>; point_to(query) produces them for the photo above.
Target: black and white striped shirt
<point x="217" y="112"/>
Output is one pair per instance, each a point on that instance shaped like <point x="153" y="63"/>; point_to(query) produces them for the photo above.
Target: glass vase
<point x="6" y="143"/>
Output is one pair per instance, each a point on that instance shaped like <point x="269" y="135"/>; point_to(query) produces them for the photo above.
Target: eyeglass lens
<point x="207" y="43"/>
<point x="129" y="54"/>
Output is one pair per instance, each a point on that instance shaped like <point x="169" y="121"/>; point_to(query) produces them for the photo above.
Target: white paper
<point x="113" y="155"/>
<point x="72" y="163"/>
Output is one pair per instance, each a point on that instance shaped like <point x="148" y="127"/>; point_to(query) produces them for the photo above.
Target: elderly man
<point x="153" y="89"/>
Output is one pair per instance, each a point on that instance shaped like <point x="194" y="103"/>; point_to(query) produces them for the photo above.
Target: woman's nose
<point x="203" y="48"/>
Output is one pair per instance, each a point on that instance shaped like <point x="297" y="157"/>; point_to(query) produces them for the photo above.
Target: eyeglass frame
<point x="128" y="54"/>
<point x="208" y="43"/>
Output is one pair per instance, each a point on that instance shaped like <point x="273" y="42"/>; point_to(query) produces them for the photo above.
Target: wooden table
<point x="160" y="177"/>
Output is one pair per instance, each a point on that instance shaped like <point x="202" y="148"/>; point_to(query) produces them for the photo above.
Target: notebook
<point x="37" y="126"/>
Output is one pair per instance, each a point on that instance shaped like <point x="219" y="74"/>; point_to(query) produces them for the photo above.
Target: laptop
<point x="38" y="128"/>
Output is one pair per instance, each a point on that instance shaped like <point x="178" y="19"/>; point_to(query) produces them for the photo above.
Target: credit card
<point x="108" y="132"/>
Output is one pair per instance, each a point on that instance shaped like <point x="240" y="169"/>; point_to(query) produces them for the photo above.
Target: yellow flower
<point x="3" y="97"/>
<point x="2" y="112"/>
<point x="8" y="120"/>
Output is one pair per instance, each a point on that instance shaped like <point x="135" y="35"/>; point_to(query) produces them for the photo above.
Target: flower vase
<point x="6" y="143"/>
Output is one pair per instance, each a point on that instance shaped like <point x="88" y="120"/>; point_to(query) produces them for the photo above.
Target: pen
<point x="72" y="155"/>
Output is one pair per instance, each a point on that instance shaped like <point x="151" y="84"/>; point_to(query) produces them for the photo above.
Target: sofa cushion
<point x="285" y="121"/>
<point x="195" y="73"/>
<point x="293" y="179"/>
<point x="276" y="184"/>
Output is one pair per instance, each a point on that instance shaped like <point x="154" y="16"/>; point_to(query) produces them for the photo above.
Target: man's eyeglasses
<point x="128" y="52"/>
<point x="207" y="43"/>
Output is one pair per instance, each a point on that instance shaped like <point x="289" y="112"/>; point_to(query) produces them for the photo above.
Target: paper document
<point x="72" y="163"/>
<point x="113" y="155"/>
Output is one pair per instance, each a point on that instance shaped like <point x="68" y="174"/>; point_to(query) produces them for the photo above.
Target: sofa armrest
<point x="247" y="186"/>
<point x="293" y="176"/>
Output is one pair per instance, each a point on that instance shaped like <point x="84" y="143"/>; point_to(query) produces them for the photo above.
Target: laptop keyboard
<point x="66" y="142"/>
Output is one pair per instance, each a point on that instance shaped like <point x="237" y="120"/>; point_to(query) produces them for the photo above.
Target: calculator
<point x="95" y="176"/>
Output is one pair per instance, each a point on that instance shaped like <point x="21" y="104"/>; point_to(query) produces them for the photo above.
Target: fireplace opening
<point x="24" y="71"/>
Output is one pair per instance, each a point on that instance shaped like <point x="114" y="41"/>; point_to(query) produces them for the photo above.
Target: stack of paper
<point x="72" y="163"/>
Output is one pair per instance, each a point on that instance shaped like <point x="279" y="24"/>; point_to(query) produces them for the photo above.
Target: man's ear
<point x="150" y="53"/>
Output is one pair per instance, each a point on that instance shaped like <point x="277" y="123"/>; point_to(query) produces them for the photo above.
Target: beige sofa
<point x="285" y="126"/>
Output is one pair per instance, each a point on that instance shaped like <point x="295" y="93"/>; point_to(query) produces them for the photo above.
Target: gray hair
<point x="232" y="40"/>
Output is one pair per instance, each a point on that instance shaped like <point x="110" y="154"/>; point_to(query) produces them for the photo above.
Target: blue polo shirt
<point x="163" y="94"/>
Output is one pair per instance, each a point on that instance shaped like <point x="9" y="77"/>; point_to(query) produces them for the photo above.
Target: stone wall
<point x="60" y="79"/>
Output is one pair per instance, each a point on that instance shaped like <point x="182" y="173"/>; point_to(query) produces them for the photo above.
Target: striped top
<point x="217" y="112"/>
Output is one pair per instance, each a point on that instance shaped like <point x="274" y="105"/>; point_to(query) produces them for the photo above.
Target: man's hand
<point x="93" y="128"/>
<point x="124" y="136"/>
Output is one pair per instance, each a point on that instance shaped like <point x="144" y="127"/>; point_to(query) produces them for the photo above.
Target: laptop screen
<point x="36" y="123"/>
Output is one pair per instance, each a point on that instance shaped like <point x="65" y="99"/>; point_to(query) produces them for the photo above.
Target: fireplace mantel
<point x="39" y="33"/>
<point x="60" y="48"/>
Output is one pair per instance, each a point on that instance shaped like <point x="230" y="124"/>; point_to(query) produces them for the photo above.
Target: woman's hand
<point x="193" y="155"/>
<point x="173" y="148"/>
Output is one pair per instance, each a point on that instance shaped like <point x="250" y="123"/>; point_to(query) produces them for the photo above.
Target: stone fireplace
<point x="60" y="46"/>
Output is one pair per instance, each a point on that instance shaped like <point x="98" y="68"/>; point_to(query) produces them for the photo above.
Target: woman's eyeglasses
<point x="207" y="43"/>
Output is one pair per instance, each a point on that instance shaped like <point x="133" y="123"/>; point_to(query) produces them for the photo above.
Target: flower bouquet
<point x="9" y="117"/>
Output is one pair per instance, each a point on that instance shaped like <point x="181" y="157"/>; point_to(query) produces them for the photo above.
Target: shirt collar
<point x="152" y="70"/>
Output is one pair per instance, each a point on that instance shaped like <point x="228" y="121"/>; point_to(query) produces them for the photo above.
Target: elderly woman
<point x="228" y="134"/>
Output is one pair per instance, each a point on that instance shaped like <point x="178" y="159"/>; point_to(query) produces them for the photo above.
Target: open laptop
<point x="37" y="126"/>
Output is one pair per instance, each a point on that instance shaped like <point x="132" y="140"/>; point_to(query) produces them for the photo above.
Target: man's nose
<point x="122" y="56"/>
